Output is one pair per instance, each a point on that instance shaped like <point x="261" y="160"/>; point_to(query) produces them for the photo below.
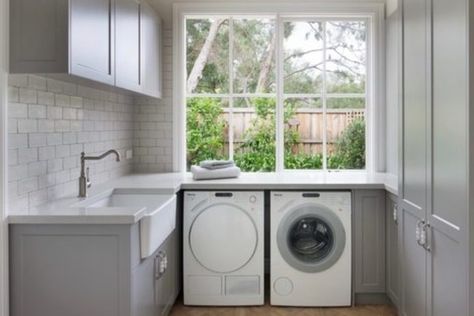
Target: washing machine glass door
<point x="223" y="238"/>
<point x="311" y="238"/>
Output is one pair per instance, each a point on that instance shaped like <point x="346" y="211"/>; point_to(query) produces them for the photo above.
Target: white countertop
<point x="62" y="211"/>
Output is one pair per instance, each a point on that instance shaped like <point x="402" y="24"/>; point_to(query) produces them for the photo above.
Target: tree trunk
<point x="201" y="60"/>
<point x="266" y="65"/>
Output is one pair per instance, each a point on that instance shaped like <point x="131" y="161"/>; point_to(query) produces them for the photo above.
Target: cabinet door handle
<point x="395" y="213"/>
<point x="161" y="264"/>
<point x="419" y="232"/>
<point x="425" y="231"/>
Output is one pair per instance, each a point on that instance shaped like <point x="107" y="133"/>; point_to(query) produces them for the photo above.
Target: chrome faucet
<point x="84" y="180"/>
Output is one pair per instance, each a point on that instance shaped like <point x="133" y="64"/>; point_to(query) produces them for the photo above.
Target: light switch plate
<point x="129" y="154"/>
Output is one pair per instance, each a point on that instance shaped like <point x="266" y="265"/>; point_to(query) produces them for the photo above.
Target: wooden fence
<point x="308" y="122"/>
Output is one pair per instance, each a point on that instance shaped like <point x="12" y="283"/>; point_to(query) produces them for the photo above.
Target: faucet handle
<point x="88" y="179"/>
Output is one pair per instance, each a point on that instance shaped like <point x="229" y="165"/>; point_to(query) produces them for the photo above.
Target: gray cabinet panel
<point x="150" y="51"/>
<point x="369" y="241"/>
<point x="413" y="262"/>
<point x="143" y="289"/>
<point x="92" y="270"/>
<point x="92" y="40"/>
<point x="414" y="100"/>
<point x="392" y="250"/>
<point x="167" y="286"/>
<point x="449" y="111"/>
<point x="448" y="215"/>
<point x="69" y="270"/>
<point x="448" y="277"/>
<point x="127" y="44"/>
<point x="38" y="36"/>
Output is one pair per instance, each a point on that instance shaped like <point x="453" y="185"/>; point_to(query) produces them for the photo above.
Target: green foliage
<point x="205" y="128"/>
<point x="350" y="148"/>
<point x="303" y="161"/>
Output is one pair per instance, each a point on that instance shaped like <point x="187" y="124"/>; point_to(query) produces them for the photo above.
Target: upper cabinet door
<point x="91" y="39"/>
<point x="150" y="51"/>
<point x="127" y="44"/>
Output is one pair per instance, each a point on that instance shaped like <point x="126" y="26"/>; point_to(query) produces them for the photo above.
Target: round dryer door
<point x="223" y="238"/>
<point x="311" y="238"/>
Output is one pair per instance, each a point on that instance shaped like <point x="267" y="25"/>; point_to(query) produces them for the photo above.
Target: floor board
<point x="364" y="310"/>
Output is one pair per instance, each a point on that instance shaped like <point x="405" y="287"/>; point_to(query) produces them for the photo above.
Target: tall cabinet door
<point x="92" y="39"/>
<point x="127" y="44"/>
<point x="412" y="188"/>
<point x="448" y="213"/>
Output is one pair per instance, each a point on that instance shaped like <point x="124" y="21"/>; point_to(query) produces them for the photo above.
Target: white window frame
<point x="375" y="96"/>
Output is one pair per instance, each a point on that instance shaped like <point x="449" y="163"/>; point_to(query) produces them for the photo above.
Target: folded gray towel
<point x="216" y="164"/>
<point x="206" y="174"/>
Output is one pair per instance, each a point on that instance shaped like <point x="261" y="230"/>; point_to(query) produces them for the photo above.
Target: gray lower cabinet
<point x="369" y="245"/>
<point x="89" y="270"/>
<point x="392" y="265"/>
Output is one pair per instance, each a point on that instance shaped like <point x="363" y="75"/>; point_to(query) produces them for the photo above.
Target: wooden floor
<point x="364" y="310"/>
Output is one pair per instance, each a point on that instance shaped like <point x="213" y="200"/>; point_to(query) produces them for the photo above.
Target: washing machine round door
<point x="311" y="238"/>
<point x="223" y="238"/>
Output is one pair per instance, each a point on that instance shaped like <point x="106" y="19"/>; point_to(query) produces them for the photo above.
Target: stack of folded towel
<point x="215" y="169"/>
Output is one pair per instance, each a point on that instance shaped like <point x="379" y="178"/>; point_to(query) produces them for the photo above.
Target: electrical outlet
<point x="129" y="154"/>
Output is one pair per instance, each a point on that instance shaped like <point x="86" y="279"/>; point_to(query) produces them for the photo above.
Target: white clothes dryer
<point x="223" y="248"/>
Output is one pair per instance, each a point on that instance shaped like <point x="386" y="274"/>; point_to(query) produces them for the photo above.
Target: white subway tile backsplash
<point x="45" y="98"/>
<point x="17" y="110"/>
<point x="37" y="168"/>
<point x="63" y="151"/>
<point x="54" y="112"/>
<point x="36" y="111"/>
<point x="27" y="126"/>
<point x="27" y="185"/>
<point x="46" y="153"/>
<point x="28" y="95"/>
<point x="26" y="155"/>
<point x="45" y="126"/>
<point x="36" y="139"/>
<point x="50" y="123"/>
<point x="55" y="139"/>
<point x="55" y="165"/>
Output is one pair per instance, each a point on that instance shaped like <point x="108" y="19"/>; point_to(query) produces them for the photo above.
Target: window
<point x="276" y="92"/>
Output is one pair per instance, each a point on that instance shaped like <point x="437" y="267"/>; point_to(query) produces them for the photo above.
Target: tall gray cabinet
<point x="433" y="202"/>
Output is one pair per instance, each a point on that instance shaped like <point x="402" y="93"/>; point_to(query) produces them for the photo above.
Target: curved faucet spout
<point x="84" y="181"/>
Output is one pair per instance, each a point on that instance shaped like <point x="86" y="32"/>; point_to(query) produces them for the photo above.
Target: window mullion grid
<point x="231" y="88"/>
<point x="324" y="99"/>
<point x="279" y="124"/>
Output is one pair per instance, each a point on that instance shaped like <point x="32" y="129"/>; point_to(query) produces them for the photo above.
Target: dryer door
<point x="311" y="238"/>
<point x="223" y="238"/>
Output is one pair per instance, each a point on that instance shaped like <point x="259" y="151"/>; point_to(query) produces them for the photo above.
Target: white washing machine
<point x="223" y="248"/>
<point x="310" y="248"/>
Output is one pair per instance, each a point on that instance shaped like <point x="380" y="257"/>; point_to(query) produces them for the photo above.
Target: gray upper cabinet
<point x="92" y="39"/>
<point x="150" y="51"/>
<point x="116" y="42"/>
<point x="434" y="197"/>
<point x="127" y="44"/>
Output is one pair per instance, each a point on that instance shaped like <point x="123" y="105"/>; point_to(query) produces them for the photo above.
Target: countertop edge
<point x="183" y="182"/>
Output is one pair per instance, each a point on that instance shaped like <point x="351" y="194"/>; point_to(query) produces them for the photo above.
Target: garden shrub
<point x="350" y="148"/>
<point x="205" y="132"/>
